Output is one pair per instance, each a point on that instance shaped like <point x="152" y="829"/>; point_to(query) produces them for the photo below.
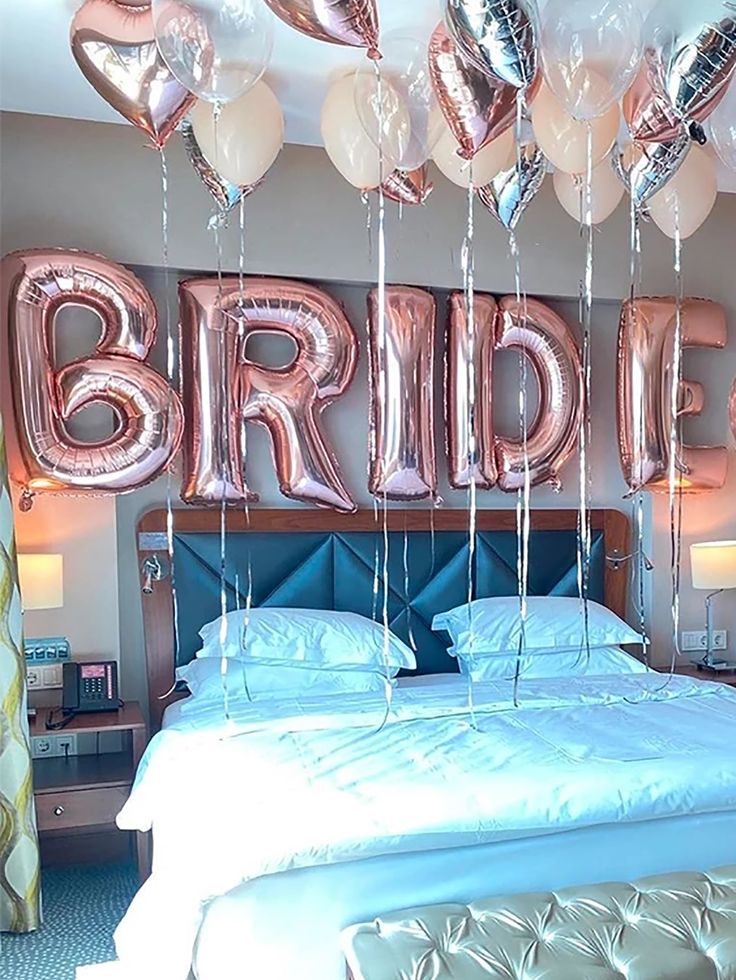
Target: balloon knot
<point x="697" y="133"/>
<point x="26" y="500"/>
<point x="374" y="54"/>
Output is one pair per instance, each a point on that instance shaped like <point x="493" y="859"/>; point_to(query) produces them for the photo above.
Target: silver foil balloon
<point x="650" y="167"/>
<point x="511" y="190"/>
<point x="497" y="36"/>
<point x="692" y="54"/>
<point x="226" y="194"/>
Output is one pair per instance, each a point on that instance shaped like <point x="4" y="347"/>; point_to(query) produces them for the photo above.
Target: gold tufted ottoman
<point x="668" y="927"/>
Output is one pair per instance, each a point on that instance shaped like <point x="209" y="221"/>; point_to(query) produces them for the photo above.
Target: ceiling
<point x="38" y="74"/>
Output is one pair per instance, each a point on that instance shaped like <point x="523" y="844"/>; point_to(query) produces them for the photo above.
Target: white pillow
<point x="314" y="637"/>
<point x="566" y="663"/>
<point x="552" y="622"/>
<point x="268" y="682"/>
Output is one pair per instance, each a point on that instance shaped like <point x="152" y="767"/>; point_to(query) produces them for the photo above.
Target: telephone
<point x="90" y="687"/>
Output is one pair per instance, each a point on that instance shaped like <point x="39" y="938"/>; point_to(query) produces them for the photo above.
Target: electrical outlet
<point x="43" y="746"/>
<point x="698" y="640"/>
<point x="66" y="744"/>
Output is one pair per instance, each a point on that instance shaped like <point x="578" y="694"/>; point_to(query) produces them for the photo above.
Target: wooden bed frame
<point x="158" y="604"/>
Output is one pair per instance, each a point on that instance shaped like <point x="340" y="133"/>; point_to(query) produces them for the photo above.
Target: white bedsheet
<point x="279" y="786"/>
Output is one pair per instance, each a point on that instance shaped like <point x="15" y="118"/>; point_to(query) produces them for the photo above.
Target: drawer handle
<point x="58" y="810"/>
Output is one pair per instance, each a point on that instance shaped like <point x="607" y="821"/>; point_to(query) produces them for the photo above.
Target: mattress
<point x="276" y="787"/>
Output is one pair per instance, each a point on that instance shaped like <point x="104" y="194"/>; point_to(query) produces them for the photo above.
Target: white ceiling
<point x="38" y="74"/>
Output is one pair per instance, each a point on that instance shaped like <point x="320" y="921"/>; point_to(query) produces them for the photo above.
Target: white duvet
<point x="280" y="785"/>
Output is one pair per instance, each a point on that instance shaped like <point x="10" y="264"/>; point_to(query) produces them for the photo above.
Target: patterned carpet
<point x="81" y="906"/>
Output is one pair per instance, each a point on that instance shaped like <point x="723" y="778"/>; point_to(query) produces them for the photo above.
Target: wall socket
<point x="698" y="640"/>
<point x="40" y="677"/>
<point x="46" y="746"/>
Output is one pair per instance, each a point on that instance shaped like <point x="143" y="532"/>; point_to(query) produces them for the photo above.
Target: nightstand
<point x="84" y="793"/>
<point x="720" y="676"/>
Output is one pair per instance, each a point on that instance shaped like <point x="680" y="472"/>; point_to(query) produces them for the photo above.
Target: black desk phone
<point x="90" y="687"/>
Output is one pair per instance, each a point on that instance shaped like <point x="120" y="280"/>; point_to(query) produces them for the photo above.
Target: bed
<point x="275" y="826"/>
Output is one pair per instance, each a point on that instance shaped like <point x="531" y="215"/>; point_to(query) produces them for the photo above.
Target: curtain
<point x="19" y="859"/>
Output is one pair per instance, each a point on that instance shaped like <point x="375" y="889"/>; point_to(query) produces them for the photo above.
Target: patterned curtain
<point x="19" y="860"/>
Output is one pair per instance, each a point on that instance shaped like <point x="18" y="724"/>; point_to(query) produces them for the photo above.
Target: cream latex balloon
<point x="348" y="144"/>
<point x="486" y="162"/>
<point x="687" y="197"/>
<point x="606" y="192"/>
<point x="247" y="137"/>
<point x="564" y="140"/>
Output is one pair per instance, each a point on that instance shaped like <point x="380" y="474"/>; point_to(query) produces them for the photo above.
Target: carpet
<point x="81" y="908"/>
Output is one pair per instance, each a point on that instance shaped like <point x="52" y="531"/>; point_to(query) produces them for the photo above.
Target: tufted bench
<point x="668" y="927"/>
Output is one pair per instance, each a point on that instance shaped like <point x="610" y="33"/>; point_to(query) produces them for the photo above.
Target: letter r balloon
<point x="224" y="390"/>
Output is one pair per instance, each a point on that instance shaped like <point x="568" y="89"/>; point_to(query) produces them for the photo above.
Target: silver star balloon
<point x="511" y="190"/>
<point x="649" y="166"/>
<point x="497" y="36"/>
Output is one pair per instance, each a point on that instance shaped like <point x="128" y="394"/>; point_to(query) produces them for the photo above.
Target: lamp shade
<point x="41" y="581"/>
<point x="713" y="565"/>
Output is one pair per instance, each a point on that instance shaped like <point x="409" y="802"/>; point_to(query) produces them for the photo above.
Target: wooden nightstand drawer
<point x="79" y="808"/>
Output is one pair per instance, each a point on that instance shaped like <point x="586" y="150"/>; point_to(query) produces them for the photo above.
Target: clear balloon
<point x="245" y="139"/>
<point x="353" y="23"/>
<point x="691" y="54"/>
<point x="404" y="65"/>
<point x="476" y="107"/>
<point x="606" y="192"/>
<point x="591" y="51"/>
<point x="722" y="127"/>
<point x="688" y="197"/>
<point x="218" y="49"/>
<point x="486" y="163"/>
<point x="564" y="140"/>
<point x="499" y="37"/>
<point x="509" y="193"/>
<point x="402" y="464"/>
<point x="115" y="49"/>
<point x="148" y="414"/>
<point x="217" y="318"/>
<point x="348" y="144"/>
<point x="382" y="110"/>
<point x="646" y="349"/>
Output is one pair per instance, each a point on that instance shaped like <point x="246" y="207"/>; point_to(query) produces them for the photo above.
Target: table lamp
<point x="41" y="579"/>
<point x="713" y="567"/>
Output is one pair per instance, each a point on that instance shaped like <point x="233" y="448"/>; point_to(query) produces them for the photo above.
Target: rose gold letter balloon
<point x="115" y="47"/>
<point x="36" y="285"/>
<point x="457" y="408"/>
<point x="402" y="452"/>
<point x="646" y="349"/>
<point x="548" y="342"/>
<point x="224" y="389"/>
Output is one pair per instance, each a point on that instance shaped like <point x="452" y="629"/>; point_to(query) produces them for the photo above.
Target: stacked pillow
<point x="279" y="652"/>
<point x="486" y="637"/>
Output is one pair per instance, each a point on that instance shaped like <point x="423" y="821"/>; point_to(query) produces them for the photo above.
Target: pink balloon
<point x="115" y="48"/>
<point x="548" y="342"/>
<point x="645" y="376"/>
<point x="224" y="390"/>
<point x="37" y="284"/>
<point x="402" y="463"/>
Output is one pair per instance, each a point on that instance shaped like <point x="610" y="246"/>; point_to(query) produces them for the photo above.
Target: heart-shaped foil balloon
<point x="476" y="107"/>
<point x="226" y="194"/>
<point x="648" y="114"/>
<point x="645" y="168"/>
<point x="511" y="190"/>
<point x="408" y="186"/>
<point x="692" y="55"/>
<point x="497" y="36"/>
<point x="115" y="47"/>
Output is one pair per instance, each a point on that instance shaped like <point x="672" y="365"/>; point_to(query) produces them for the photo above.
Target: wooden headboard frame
<point x="158" y="605"/>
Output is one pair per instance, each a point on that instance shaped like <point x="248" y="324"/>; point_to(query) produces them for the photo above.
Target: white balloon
<point x="348" y="144"/>
<point x="606" y="192"/>
<point x="688" y="197"/>
<point x="246" y="139"/>
<point x="495" y="156"/>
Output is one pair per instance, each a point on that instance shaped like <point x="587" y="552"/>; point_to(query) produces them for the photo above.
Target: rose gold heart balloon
<point x="408" y="186"/>
<point x="115" y="48"/>
<point x="477" y="107"/>
<point x="650" y="117"/>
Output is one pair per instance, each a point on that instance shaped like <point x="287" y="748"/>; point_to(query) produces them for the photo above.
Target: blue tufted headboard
<point x="318" y="559"/>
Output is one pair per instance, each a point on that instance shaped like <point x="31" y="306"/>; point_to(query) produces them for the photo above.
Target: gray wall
<point x="94" y="186"/>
